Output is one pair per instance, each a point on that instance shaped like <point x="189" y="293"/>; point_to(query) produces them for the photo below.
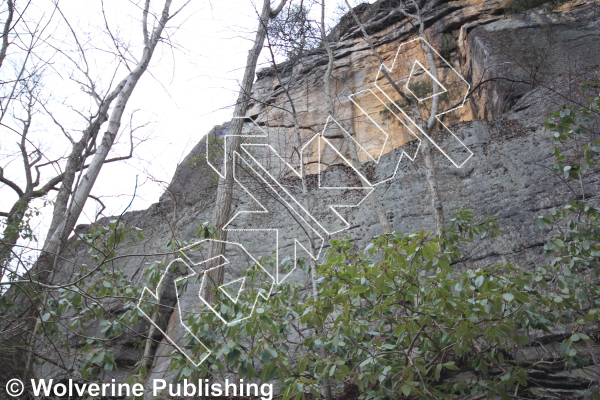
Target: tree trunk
<point x="429" y="125"/>
<point x="373" y="199"/>
<point x="65" y="217"/>
<point x="65" y="221"/>
<point x="7" y="28"/>
<point x="223" y="202"/>
<point x="11" y="233"/>
<point x="305" y="192"/>
<point x="430" y="169"/>
<point x="432" y="182"/>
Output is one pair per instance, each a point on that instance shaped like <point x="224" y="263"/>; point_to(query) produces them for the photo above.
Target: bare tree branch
<point x="10" y="183"/>
<point x="6" y="30"/>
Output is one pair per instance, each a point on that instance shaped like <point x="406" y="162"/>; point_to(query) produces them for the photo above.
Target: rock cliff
<point x="519" y="68"/>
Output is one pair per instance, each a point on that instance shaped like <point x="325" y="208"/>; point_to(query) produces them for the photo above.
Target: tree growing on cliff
<point x="223" y="201"/>
<point x="224" y="194"/>
<point x="307" y="196"/>
<point x="373" y="199"/>
<point x="427" y="124"/>
<point x="292" y="34"/>
<point x="295" y="42"/>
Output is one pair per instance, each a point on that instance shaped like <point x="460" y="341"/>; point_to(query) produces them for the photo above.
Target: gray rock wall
<point x="509" y="174"/>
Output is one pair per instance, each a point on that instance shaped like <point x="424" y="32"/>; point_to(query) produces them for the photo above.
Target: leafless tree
<point x="77" y="169"/>
<point x="225" y="188"/>
<point x="373" y="199"/>
<point x="87" y="153"/>
<point x="298" y="44"/>
<point x="427" y="123"/>
<point x="223" y="200"/>
<point x="71" y="199"/>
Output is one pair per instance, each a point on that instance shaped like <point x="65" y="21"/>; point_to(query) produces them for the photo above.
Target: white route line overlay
<point x="461" y="104"/>
<point x="294" y="204"/>
<point x="207" y="352"/>
<point x="290" y="201"/>
<point x="404" y="153"/>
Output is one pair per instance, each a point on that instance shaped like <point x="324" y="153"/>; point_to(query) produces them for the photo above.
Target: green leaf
<point x="428" y="252"/>
<point x="339" y="298"/>
<point x="406" y="390"/>
<point x="451" y="366"/>
<point x="522" y="297"/>
<point x="508" y="296"/>
<point x="540" y="223"/>
<point x="268" y="374"/>
<point x="358" y="289"/>
<point x="265" y="356"/>
<point x="575" y="337"/>
<point x="233" y="356"/>
<point x="479" y="281"/>
<point x="302" y="363"/>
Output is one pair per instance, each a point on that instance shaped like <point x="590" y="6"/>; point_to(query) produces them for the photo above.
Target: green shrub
<point x="398" y="319"/>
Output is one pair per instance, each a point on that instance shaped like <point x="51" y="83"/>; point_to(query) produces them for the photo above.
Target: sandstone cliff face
<point x="520" y="67"/>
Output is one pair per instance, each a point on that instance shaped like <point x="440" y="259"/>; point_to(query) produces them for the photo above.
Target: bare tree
<point x="71" y="199"/>
<point x="224" y="195"/>
<point x="298" y="45"/>
<point x="8" y="26"/>
<point x="89" y="152"/>
<point x="373" y="199"/>
<point x="307" y="196"/>
<point x="78" y="170"/>
<point x="428" y="124"/>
